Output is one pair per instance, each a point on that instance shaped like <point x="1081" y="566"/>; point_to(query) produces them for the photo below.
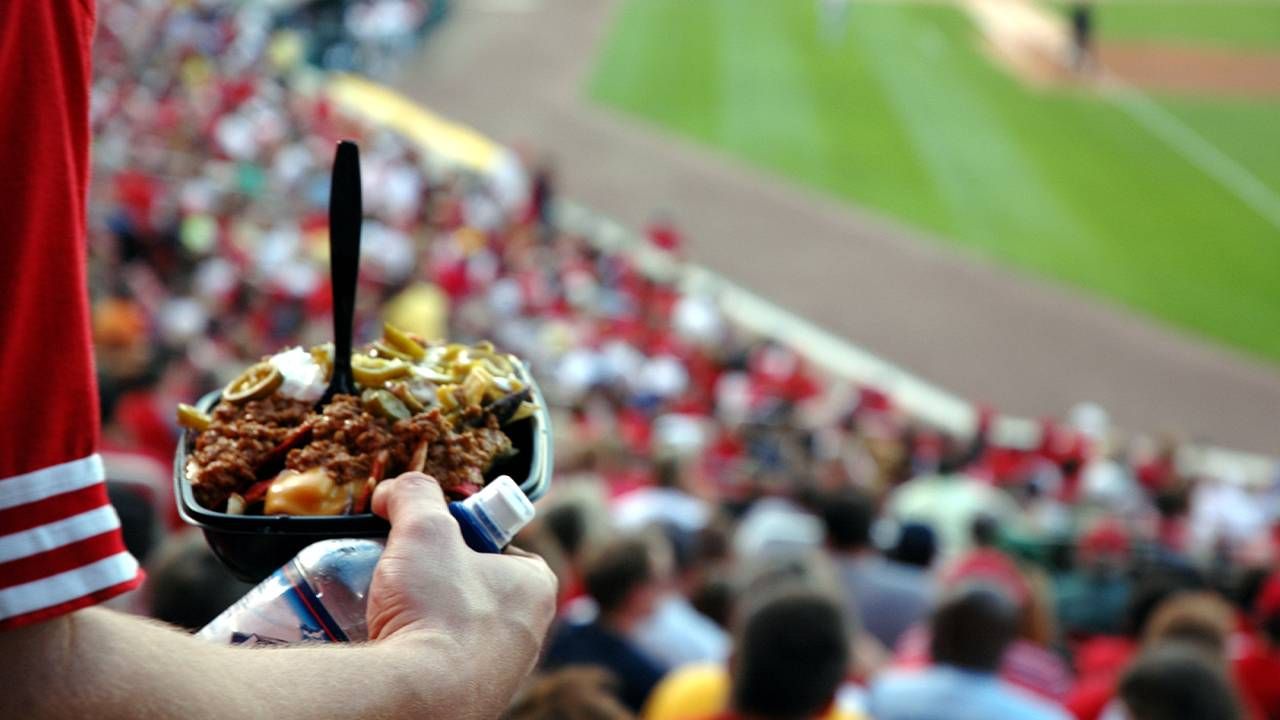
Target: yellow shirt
<point x="701" y="690"/>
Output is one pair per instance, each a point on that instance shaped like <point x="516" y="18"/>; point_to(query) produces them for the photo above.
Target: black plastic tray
<point x="253" y="546"/>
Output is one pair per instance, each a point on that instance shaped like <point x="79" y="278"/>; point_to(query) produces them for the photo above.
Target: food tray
<point x="253" y="546"/>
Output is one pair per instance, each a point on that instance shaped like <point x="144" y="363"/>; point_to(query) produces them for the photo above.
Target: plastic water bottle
<point x="320" y="595"/>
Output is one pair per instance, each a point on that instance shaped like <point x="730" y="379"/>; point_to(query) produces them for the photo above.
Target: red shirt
<point x="1025" y="664"/>
<point x="1258" y="673"/>
<point x="60" y="545"/>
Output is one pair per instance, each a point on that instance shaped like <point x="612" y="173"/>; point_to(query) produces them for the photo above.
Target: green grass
<point x="1253" y="24"/>
<point x="904" y="115"/>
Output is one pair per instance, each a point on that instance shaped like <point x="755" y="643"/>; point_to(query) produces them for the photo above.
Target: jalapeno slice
<point x="401" y="341"/>
<point x="256" y="382"/>
<point x="385" y="350"/>
<point x="383" y="404"/>
<point x="374" y="372"/>
<point x="193" y="418"/>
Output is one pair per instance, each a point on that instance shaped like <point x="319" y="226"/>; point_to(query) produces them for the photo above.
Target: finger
<point x="513" y="557"/>
<point x="527" y="576"/>
<point x="409" y="494"/>
<point x="513" y="550"/>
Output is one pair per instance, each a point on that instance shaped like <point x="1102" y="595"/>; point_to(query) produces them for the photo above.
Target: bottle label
<point x="282" y="610"/>
<point x="319" y="624"/>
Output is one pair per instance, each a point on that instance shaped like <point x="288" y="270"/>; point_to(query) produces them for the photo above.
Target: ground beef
<point x="344" y="439"/>
<point x="228" y="453"/>
<point x="458" y="460"/>
<point x="428" y="427"/>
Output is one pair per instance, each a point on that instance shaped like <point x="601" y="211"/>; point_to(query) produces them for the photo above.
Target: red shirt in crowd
<point x="60" y="545"/>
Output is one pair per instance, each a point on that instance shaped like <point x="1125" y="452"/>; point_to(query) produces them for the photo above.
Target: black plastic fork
<point x="345" y="211"/>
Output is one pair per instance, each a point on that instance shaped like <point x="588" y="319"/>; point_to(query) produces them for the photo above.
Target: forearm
<point x="96" y="663"/>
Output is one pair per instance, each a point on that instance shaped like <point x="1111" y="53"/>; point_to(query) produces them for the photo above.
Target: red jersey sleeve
<point x="60" y="544"/>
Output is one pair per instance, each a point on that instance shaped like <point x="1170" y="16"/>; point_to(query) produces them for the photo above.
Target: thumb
<point x="412" y="493"/>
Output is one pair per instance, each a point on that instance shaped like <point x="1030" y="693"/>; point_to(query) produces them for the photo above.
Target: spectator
<point x="792" y="653"/>
<point x="1257" y="663"/>
<point x="971" y="630"/>
<point x="1091" y="599"/>
<point x="789" y="660"/>
<point x="137" y="511"/>
<point x="915" y="545"/>
<point x="887" y="597"/>
<point x="675" y="633"/>
<point x="668" y="501"/>
<point x="186" y="585"/>
<point x="569" y="694"/>
<point x="621" y="579"/>
<point x="563" y="524"/>
<point x="949" y="503"/>
<point x="1201" y="619"/>
<point x="1178" y="681"/>
<point x="1030" y="663"/>
<point x="1101" y="659"/>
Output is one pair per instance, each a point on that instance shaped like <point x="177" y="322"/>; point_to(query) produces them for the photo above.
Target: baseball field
<point x="1153" y="181"/>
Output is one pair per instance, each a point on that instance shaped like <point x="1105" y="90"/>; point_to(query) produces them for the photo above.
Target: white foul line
<point x="1199" y="151"/>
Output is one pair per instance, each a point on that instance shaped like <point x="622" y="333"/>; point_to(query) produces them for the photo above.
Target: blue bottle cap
<point x="497" y="512"/>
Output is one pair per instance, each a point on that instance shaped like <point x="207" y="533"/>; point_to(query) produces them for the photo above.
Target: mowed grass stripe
<point x="988" y="185"/>
<point x="767" y="98"/>
<point x="1157" y="232"/>
<point x="1246" y="130"/>
<point x="905" y="114"/>
<point x="870" y="152"/>
<point x="668" y="73"/>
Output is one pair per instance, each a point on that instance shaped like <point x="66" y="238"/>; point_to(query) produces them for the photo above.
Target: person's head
<point x="972" y="627"/>
<point x="693" y="554"/>
<point x="848" y="515"/>
<point x="134" y="505"/>
<point x="1200" y="619"/>
<point x="186" y="585"/>
<point x="984" y="531"/>
<point x="1103" y="551"/>
<point x="916" y="545"/>
<point x="578" y="693"/>
<point x="621" y="578"/>
<point x="714" y="598"/>
<point x="1177" y="681"/>
<point x="566" y="524"/>
<point x="791" y="653"/>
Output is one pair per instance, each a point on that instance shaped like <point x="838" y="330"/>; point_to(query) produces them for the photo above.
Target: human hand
<point x="491" y="611"/>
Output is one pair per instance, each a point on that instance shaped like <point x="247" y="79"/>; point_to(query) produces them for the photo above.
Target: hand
<point x="491" y="611"/>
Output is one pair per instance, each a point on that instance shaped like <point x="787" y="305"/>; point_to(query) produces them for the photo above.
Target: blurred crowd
<point x="736" y="533"/>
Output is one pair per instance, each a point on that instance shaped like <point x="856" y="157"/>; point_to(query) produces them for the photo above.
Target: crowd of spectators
<point x="736" y="533"/>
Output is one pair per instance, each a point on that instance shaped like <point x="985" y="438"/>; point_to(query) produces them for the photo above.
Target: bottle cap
<point x="501" y="508"/>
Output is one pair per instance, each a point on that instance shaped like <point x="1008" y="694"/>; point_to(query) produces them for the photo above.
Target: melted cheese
<point x="309" y="493"/>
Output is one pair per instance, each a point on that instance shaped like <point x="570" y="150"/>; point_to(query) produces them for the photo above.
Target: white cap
<point x="502" y="508"/>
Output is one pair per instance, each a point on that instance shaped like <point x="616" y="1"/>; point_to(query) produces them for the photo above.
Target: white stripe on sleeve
<point x="56" y="534"/>
<point x="65" y="586"/>
<point x="47" y="482"/>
